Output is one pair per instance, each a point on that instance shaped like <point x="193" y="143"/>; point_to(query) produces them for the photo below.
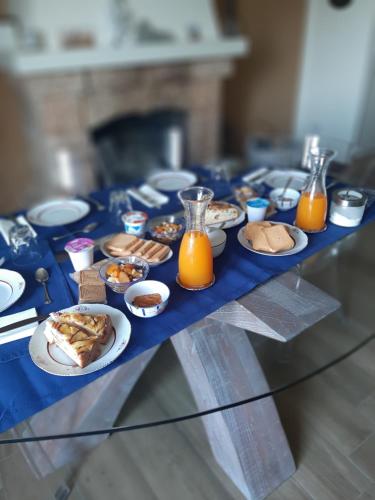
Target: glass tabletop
<point x="214" y="365"/>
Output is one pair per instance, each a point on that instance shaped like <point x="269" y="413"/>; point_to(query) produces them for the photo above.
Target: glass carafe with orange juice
<point x="195" y="260"/>
<point x="312" y="205"/>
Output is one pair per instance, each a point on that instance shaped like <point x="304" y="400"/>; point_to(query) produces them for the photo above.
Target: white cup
<point x="256" y="209"/>
<point x="81" y="253"/>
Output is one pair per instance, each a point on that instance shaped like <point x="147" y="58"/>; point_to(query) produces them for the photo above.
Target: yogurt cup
<point x="135" y="222"/>
<point x="81" y="252"/>
<point x="256" y="209"/>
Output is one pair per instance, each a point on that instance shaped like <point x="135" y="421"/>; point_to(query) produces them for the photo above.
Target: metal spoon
<point x="42" y="276"/>
<point x="87" y="229"/>
<point x="281" y="196"/>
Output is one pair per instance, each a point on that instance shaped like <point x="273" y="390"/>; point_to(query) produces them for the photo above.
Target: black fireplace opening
<point x="134" y="145"/>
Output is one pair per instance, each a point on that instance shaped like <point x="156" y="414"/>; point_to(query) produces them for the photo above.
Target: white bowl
<point x="288" y="201"/>
<point x="218" y="239"/>
<point x="144" y="288"/>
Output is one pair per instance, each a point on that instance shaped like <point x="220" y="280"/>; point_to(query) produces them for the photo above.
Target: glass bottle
<point x="195" y="260"/>
<point x="312" y="205"/>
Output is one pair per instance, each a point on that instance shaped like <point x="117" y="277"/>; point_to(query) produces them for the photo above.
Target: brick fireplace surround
<point x="65" y="105"/>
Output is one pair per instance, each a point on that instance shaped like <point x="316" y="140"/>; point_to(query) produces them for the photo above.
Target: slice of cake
<point x="219" y="211"/>
<point x="99" y="326"/>
<point x="78" y="344"/>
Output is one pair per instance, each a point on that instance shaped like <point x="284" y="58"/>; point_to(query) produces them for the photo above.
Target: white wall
<point x="336" y="66"/>
<point x="366" y="138"/>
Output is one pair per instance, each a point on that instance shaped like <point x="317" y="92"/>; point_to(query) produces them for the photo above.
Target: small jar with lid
<point x="347" y="207"/>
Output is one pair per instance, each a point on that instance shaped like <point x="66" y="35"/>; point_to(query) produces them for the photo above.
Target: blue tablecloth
<point x="26" y="389"/>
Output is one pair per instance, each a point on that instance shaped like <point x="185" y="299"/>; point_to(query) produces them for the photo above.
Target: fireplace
<point x="67" y="106"/>
<point x="137" y="144"/>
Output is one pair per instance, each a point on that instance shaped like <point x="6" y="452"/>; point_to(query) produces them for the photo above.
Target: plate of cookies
<point x="124" y="245"/>
<point x="275" y="239"/>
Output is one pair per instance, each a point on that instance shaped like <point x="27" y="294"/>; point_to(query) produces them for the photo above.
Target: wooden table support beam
<point x="248" y="441"/>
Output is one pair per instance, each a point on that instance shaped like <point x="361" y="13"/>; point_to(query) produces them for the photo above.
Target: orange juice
<point x="195" y="261"/>
<point x="311" y="212"/>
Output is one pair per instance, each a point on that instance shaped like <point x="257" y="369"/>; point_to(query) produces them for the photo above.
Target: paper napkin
<point x="148" y="196"/>
<point x="258" y="175"/>
<point x="18" y="333"/>
<point x="6" y="225"/>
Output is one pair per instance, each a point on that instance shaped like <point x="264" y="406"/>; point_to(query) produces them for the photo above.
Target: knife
<point x="24" y="322"/>
<point x="100" y="207"/>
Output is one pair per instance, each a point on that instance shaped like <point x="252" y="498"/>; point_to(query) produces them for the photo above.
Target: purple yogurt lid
<point x="79" y="244"/>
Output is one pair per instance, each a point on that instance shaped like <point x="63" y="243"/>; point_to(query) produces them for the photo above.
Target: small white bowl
<point x="218" y="239"/>
<point x="144" y="288"/>
<point x="288" y="201"/>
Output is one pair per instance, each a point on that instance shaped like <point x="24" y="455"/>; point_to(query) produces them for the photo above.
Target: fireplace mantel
<point x="129" y="56"/>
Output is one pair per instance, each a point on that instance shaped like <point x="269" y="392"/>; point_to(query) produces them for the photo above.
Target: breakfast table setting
<point x="124" y="253"/>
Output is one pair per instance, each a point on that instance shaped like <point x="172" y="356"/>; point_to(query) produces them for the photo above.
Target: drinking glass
<point x="119" y="203"/>
<point x="24" y="248"/>
<point x="220" y="179"/>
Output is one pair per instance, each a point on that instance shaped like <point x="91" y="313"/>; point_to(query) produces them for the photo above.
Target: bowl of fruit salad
<point x="166" y="229"/>
<point x="119" y="274"/>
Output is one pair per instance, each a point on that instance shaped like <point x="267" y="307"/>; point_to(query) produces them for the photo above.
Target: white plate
<point x="12" y="286"/>
<point x="230" y="223"/>
<point x="52" y="359"/>
<point x="299" y="237"/>
<point x="58" y="212"/>
<point x="172" y="180"/>
<point x="104" y="251"/>
<point x="279" y="178"/>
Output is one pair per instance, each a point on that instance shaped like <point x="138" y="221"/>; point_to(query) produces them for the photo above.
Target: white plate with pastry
<point x="223" y="215"/>
<point x="80" y="340"/>
<point x="274" y="239"/>
<point x="124" y="245"/>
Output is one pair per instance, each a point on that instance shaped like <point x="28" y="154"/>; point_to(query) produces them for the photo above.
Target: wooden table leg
<point x="248" y="441"/>
<point x="92" y="407"/>
<point x="280" y="309"/>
